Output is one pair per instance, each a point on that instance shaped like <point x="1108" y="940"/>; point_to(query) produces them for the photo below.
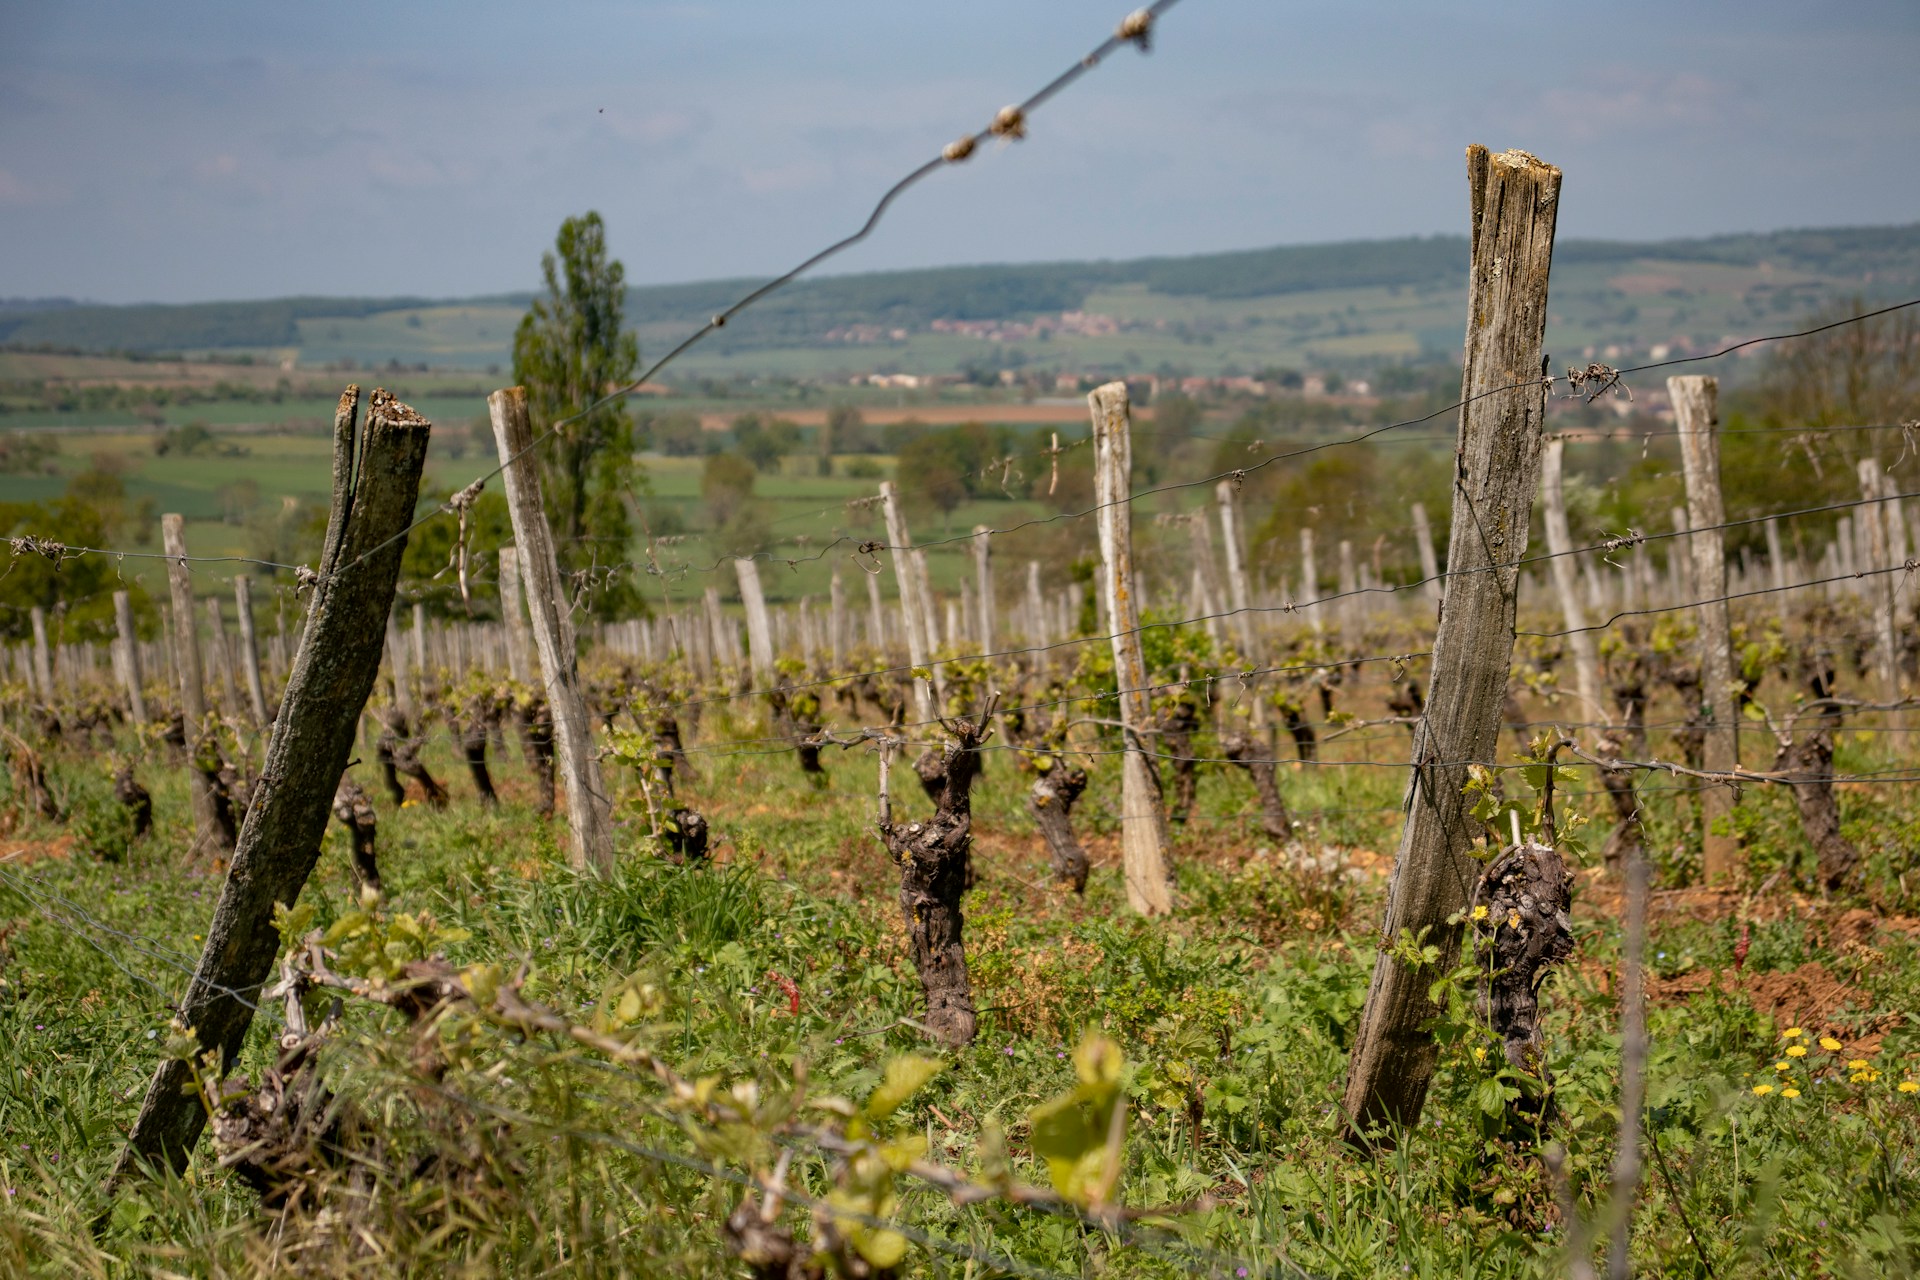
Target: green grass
<point x="1234" y="1016"/>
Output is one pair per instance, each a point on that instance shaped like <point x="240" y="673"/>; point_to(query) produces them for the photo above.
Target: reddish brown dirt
<point x="23" y="852"/>
<point x="1808" y="997"/>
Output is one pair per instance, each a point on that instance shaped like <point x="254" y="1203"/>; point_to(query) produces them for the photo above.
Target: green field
<point x="1347" y="307"/>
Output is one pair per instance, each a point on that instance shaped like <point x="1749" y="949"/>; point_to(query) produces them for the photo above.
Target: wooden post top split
<point x="376" y="483"/>
<point x="1514" y="198"/>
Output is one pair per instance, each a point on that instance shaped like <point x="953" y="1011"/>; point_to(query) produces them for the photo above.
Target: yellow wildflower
<point x="1829" y="1044"/>
<point x="1789" y="1093"/>
<point x="1908" y="1086"/>
<point x="1782" y="1066"/>
<point x="1480" y="912"/>
<point x="1858" y="1064"/>
<point x="1796" y="1051"/>
<point x="1792" y="1033"/>
<point x="1866" y="1076"/>
<point x="1762" y="1090"/>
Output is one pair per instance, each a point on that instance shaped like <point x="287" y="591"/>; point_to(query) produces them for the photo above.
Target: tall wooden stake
<point x="1038" y="633"/>
<point x="1227" y="494"/>
<point x="877" y="616"/>
<point x="1143" y="830"/>
<point x="1566" y="582"/>
<point x="983" y="583"/>
<point x="130" y="655"/>
<point x="1423" y="544"/>
<point x="589" y="812"/>
<point x="513" y="611"/>
<point x="1873" y="516"/>
<point x="916" y="613"/>
<point x="208" y="834"/>
<point x="1696" y="415"/>
<point x="222" y="657"/>
<point x="1309" y="577"/>
<point x="759" y="630"/>
<point x="250" y="648"/>
<point x="42" y="655"/>
<point x="1515" y="198"/>
<point x="280" y="842"/>
<point x="837" y="643"/>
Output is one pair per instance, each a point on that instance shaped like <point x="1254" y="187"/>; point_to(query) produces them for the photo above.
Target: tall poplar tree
<point x="569" y="351"/>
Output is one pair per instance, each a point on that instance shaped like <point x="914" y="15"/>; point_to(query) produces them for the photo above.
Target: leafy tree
<point x="23" y="452"/>
<point x="929" y="472"/>
<point x="762" y="441"/>
<point x="570" y="350"/>
<point x="76" y="591"/>
<point x="101" y="489"/>
<point x="847" y="431"/>
<point x="678" y="434"/>
<point x="953" y="464"/>
<point x="726" y="485"/>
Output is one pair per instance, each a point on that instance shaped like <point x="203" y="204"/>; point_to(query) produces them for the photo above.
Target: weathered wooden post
<point x="1423" y="544"/>
<point x="589" y="811"/>
<point x="1680" y="560"/>
<point x="1515" y="198"/>
<point x="759" y="629"/>
<point x="222" y="657"/>
<point x="1776" y="559"/>
<point x="1309" y="578"/>
<point x="1580" y="646"/>
<point x="983" y="584"/>
<point x="1143" y="832"/>
<point x="837" y="643"/>
<point x="1227" y="494"/>
<point x="916" y="614"/>
<point x="877" y="616"/>
<point x="1872" y="517"/>
<point x="42" y="655"/>
<point x="1348" y="584"/>
<point x="250" y="649"/>
<point x="717" y="630"/>
<point x="374" y="491"/>
<point x="1696" y="416"/>
<point x="513" y="611"/>
<point x="1212" y="600"/>
<point x="1038" y="634"/>
<point x="129" y="639"/>
<point x="397" y="659"/>
<point x="208" y="833"/>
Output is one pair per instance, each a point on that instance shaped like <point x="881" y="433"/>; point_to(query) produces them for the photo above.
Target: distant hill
<point x="1351" y="303"/>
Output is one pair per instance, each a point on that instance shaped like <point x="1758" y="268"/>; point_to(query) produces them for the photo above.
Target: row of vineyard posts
<point x="352" y="645"/>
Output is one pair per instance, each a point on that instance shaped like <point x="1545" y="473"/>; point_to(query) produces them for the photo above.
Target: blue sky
<point x="194" y="150"/>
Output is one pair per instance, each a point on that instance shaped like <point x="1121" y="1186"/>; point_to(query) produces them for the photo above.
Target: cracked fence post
<point x="1696" y="414"/>
<point x="128" y="638"/>
<point x="1584" y="653"/>
<point x="1143" y="833"/>
<point x="374" y="491"/>
<point x="589" y="812"/>
<point x="1515" y="198"/>
<point x="250" y="650"/>
<point x="208" y="834"/>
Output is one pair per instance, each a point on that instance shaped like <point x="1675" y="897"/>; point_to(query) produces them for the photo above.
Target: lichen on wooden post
<point x="375" y="486"/>
<point x="1515" y="199"/>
